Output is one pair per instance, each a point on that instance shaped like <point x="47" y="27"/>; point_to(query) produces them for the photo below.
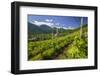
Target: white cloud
<point x="51" y="24"/>
<point x="48" y="20"/>
<point x="42" y="23"/>
<point x="69" y="27"/>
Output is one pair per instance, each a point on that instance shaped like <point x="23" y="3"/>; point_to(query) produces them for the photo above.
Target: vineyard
<point x="69" y="46"/>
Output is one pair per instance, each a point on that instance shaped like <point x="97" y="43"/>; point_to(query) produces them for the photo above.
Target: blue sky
<point x="57" y="21"/>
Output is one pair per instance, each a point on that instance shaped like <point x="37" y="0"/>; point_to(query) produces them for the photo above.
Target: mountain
<point x="44" y="29"/>
<point x="32" y="28"/>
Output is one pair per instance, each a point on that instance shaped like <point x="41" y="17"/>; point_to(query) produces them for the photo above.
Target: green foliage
<point x="73" y="52"/>
<point x="48" y="48"/>
<point x="37" y="57"/>
<point x="48" y="54"/>
<point x="78" y="49"/>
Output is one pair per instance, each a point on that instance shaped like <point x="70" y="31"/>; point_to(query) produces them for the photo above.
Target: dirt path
<point x="62" y="52"/>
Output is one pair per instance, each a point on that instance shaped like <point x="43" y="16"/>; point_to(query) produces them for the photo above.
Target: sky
<point x="68" y="22"/>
